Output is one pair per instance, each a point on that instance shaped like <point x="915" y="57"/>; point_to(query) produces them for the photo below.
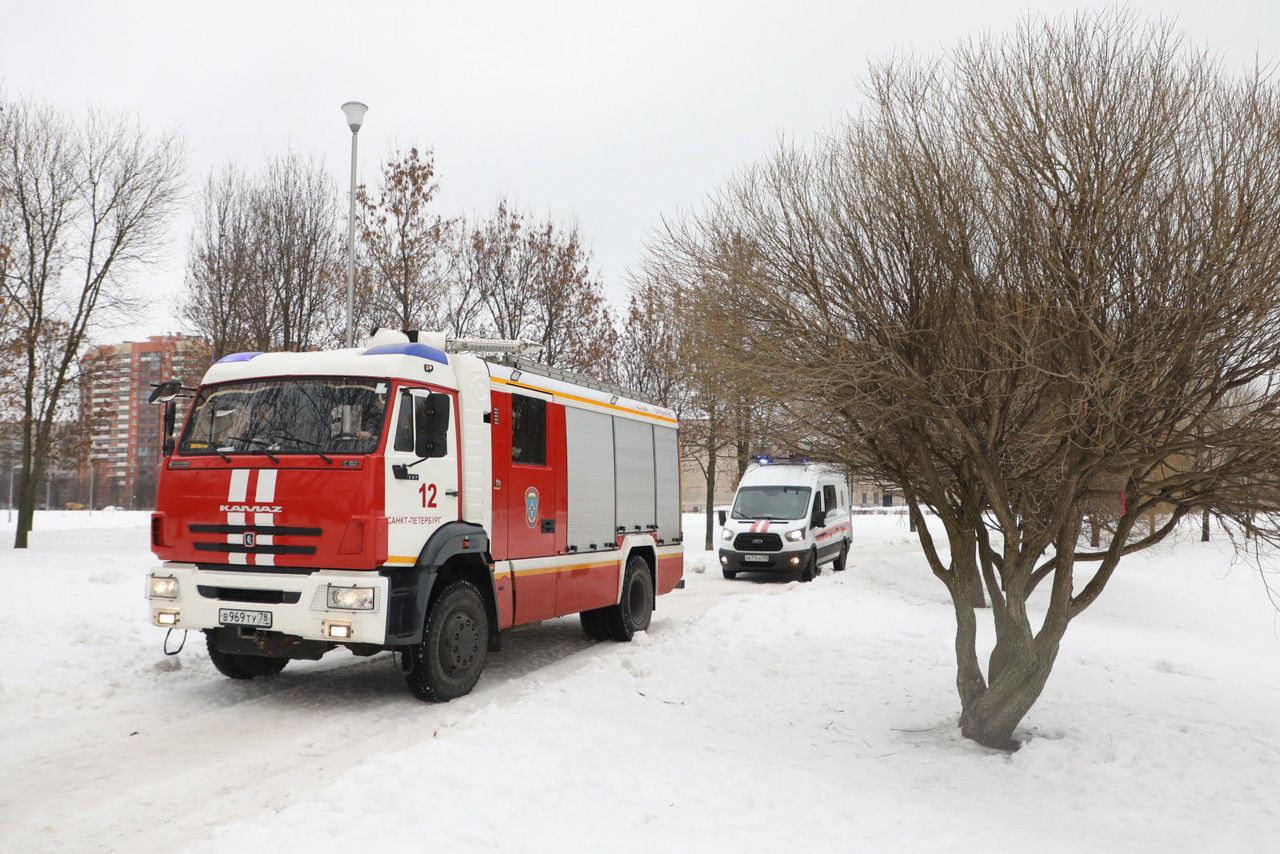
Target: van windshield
<point x="289" y="415"/>
<point x="771" y="502"/>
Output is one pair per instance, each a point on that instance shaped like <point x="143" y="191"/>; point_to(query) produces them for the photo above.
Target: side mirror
<point x="722" y="516"/>
<point x="165" y="392"/>
<point x="819" y="518"/>
<point x="431" y="425"/>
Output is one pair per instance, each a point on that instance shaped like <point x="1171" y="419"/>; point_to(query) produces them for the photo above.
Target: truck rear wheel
<point x="635" y="607"/>
<point x="455" y="639"/>
<point x="595" y="624"/>
<point x="236" y="665"/>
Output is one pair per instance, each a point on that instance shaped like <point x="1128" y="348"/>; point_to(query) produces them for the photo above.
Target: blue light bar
<point x="238" y="357"/>
<point x="422" y="351"/>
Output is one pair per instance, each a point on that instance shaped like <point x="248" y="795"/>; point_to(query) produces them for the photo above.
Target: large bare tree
<point x="1035" y="280"/>
<point x="405" y="249"/>
<point x="264" y="265"/>
<point x="85" y="202"/>
<point x="534" y="280"/>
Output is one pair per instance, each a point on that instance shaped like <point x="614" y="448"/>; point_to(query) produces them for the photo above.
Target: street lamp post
<point x="354" y="111"/>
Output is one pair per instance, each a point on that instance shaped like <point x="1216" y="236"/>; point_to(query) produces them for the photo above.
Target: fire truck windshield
<point x="288" y="415"/>
<point x="771" y="502"/>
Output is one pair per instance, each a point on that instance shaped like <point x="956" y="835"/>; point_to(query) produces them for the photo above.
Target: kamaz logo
<point x="250" y="508"/>
<point x="250" y="539"/>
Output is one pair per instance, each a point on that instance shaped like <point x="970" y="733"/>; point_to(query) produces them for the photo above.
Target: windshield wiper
<point x="265" y="446"/>
<point x="316" y="445"/>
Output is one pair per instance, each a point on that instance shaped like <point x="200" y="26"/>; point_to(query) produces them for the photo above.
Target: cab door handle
<point x="452" y="492"/>
<point x="548" y="526"/>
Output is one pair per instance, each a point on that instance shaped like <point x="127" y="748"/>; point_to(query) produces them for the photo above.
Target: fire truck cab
<point x="413" y="497"/>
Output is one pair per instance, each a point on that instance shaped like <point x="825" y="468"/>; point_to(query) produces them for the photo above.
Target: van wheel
<point x="810" y="570"/>
<point x="455" y="639"/>
<point x="635" y="608"/>
<point x="235" y="665"/>
<point x="838" y="564"/>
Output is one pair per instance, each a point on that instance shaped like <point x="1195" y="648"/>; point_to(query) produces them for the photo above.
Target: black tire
<point x="635" y="607"/>
<point x="236" y="665"/>
<point x="729" y="574"/>
<point x="839" y="563"/>
<point x="595" y="624"/>
<point x="455" y="640"/>
<point x="810" y="570"/>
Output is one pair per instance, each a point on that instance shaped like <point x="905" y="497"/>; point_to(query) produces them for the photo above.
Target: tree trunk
<point x="1204" y="526"/>
<point x="1095" y="533"/>
<point x="992" y="718"/>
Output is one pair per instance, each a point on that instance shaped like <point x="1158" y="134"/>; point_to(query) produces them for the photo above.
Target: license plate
<point x="756" y="559"/>
<point x="236" y="617"/>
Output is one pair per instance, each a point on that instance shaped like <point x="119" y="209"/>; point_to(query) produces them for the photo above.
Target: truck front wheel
<point x="236" y="665"/>
<point x="455" y="639"/>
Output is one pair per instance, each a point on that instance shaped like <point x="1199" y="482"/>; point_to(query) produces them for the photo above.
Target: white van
<point x="787" y="517"/>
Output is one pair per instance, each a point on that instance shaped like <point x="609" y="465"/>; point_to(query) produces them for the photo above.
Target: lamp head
<point x="354" y="111"/>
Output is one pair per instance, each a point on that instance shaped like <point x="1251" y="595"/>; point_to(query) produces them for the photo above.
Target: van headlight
<point x="796" y="536"/>
<point x="351" y="598"/>
<point x="726" y="534"/>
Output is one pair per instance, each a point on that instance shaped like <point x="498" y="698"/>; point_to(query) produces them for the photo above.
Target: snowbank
<point x="755" y="715"/>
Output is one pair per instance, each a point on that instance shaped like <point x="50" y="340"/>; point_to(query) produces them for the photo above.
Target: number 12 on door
<point x="428" y="493"/>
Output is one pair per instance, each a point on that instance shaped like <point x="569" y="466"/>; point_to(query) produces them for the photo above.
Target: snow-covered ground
<point x="755" y="715"/>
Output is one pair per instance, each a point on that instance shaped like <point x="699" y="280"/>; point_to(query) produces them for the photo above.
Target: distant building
<point x="863" y="494"/>
<point x="126" y="440"/>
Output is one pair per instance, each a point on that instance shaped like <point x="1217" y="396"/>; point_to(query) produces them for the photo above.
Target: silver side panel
<point x="589" y="457"/>
<point x="635" y="484"/>
<point x="667" y="474"/>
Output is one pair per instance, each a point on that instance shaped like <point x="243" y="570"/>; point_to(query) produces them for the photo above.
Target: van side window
<point x="528" y="430"/>
<point x="829" y="497"/>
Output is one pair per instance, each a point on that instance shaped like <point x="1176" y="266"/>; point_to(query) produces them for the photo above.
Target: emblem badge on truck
<point x="250" y="539"/>
<point x="531" y="506"/>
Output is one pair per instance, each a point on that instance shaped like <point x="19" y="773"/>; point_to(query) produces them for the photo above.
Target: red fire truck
<point x="409" y="496"/>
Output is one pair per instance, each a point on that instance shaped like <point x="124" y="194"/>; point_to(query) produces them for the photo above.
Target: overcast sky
<point x="610" y="114"/>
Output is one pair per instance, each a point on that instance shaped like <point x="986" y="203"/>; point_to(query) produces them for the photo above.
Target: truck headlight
<point x="796" y="536"/>
<point x="351" y="598"/>
<point x="162" y="587"/>
<point x="726" y="534"/>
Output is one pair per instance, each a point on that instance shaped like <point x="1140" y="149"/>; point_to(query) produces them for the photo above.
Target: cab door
<point x="421" y="470"/>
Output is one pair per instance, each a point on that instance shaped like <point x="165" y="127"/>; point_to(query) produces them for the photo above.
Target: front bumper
<point x="780" y="562"/>
<point x="303" y="611"/>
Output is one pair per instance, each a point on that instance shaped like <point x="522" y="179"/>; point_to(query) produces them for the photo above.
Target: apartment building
<point x="126" y="430"/>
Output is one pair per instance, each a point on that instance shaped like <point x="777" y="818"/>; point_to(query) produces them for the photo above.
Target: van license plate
<point x="756" y="559"/>
<point x="236" y="617"/>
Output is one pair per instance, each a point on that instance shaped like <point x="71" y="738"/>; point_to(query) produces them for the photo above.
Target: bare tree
<point x="1021" y="286"/>
<point x="87" y="202"/>
<point x="534" y="281"/>
<point x="405" y="257"/>
<point x="298" y="254"/>
<point x="263" y="270"/>
<point x="221" y="273"/>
